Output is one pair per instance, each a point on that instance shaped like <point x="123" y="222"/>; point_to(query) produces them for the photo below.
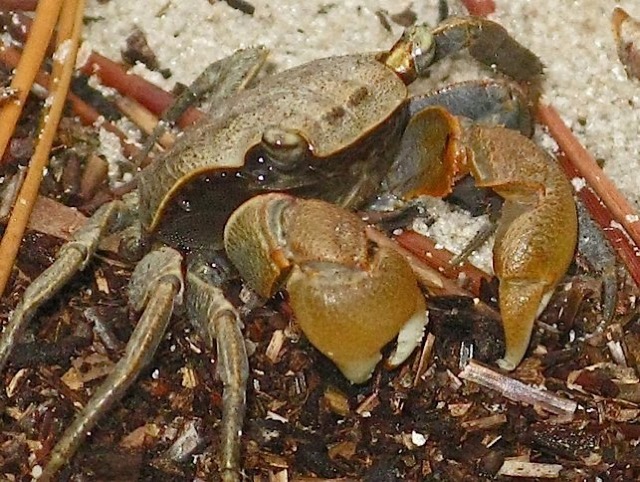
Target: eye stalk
<point x="285" y="148"/>
<point x="412" y="54"/>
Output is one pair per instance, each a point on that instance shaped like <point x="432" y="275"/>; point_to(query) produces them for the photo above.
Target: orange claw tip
<point x="521" y="301"/>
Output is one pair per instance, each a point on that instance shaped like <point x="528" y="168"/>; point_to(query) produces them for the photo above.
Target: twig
<point x="64" y="60"/>
<point x="485" y="423"/>
<point x="623" y="245"/>
<point x="516" y="390"/>
<point x="46" y="14"/>
<point x="577" y="162"/>
<point x="10" y="57"/>
<point x="425" y="356"/>
<point x="149" y="95"/>
<point x="144" y="119"/>
<point x="429" y="277"/>
<point x="620" y="208"/>
<point x="440" y="259"/>
<point x="21" y="5"/>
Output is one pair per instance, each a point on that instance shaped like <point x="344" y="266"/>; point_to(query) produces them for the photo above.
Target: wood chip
<point x="485" y="423"/>
<point x="459" y="409"/>
<point x="140" y="436"/>
<point x="275" y="345"/>
<point x="425" y="356"/>
<point x="16" y="382"/>
<point x="368" y="405"/>
<point x="189" y="377"/>
<point x="516" y="390"/>
<point x="515" y="468"/>
<point x="87" y="369"/>
<point x="337" y="401"/>
<point x="345" y="449"/>
<point x="101" y="282"/>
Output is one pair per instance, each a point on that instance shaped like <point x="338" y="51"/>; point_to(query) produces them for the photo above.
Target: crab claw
<point x="350" y="297"/>
<point x="537" y="233"/>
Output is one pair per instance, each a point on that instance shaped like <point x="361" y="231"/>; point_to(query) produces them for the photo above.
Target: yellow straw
<point x="64" y="60"/>
<point x="36" y="46"/>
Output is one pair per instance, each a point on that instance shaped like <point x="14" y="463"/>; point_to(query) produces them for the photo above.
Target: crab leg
<point x="156" y="284"/>
<point x="207" y="305"/>
<point x="218" y="81"/>
<point x="72" y="257"/>
<point x="492" y="102"/>
<point x="489" y="43"/>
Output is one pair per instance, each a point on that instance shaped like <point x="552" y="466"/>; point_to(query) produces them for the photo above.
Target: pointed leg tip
<point x="507" y="364"/>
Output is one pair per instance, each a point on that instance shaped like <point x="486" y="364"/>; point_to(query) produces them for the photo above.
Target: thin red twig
<point x="585" y="164"/>
<point x="440" y="259"/>
<point x="87" y="114"/>
<point x="149" y="95"/>
<point x="19" y="5"/>
<point x="606" y="205"/>
<point x="482" y="8"/>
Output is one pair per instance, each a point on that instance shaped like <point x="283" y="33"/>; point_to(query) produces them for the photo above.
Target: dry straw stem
<point x="34" y="50"/>
<point x="586" y="165"/>
<point x="67" y="42"/>
<point x="10" y="57"/>
<point x="516" y="390"/>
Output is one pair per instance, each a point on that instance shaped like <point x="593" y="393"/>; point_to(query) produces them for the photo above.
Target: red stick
<point x="87" y="114"/>
<point x="586" y="166"/>
<point x="149" y="95"/>
<point x="619" y="239"/>
<point x="481" y="8"/>
<point x="439" y="259"/>
<point x="20" y="5"/>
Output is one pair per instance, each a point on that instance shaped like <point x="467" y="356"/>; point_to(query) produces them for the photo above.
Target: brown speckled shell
<point x="334" y="102"/>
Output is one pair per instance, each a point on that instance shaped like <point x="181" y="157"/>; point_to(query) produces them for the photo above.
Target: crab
<point x="270" y="177"/>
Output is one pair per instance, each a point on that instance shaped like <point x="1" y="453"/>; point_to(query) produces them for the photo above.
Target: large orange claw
<point x="350" y="297"/>
<point x="537" y="233"/>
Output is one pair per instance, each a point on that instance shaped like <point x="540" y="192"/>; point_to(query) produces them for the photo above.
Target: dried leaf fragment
<point x="626" y="31"/>
<point x="140" y="436"/>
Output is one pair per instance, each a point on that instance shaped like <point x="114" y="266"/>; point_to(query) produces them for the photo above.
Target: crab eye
<point x="422" y="45"/>
<point x="285" y="148"/>
<point x="281" y="157"/>
<point x="412" y="54"/>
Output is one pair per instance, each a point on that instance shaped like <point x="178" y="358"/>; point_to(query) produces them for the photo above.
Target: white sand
<point x="584" y="79"/>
